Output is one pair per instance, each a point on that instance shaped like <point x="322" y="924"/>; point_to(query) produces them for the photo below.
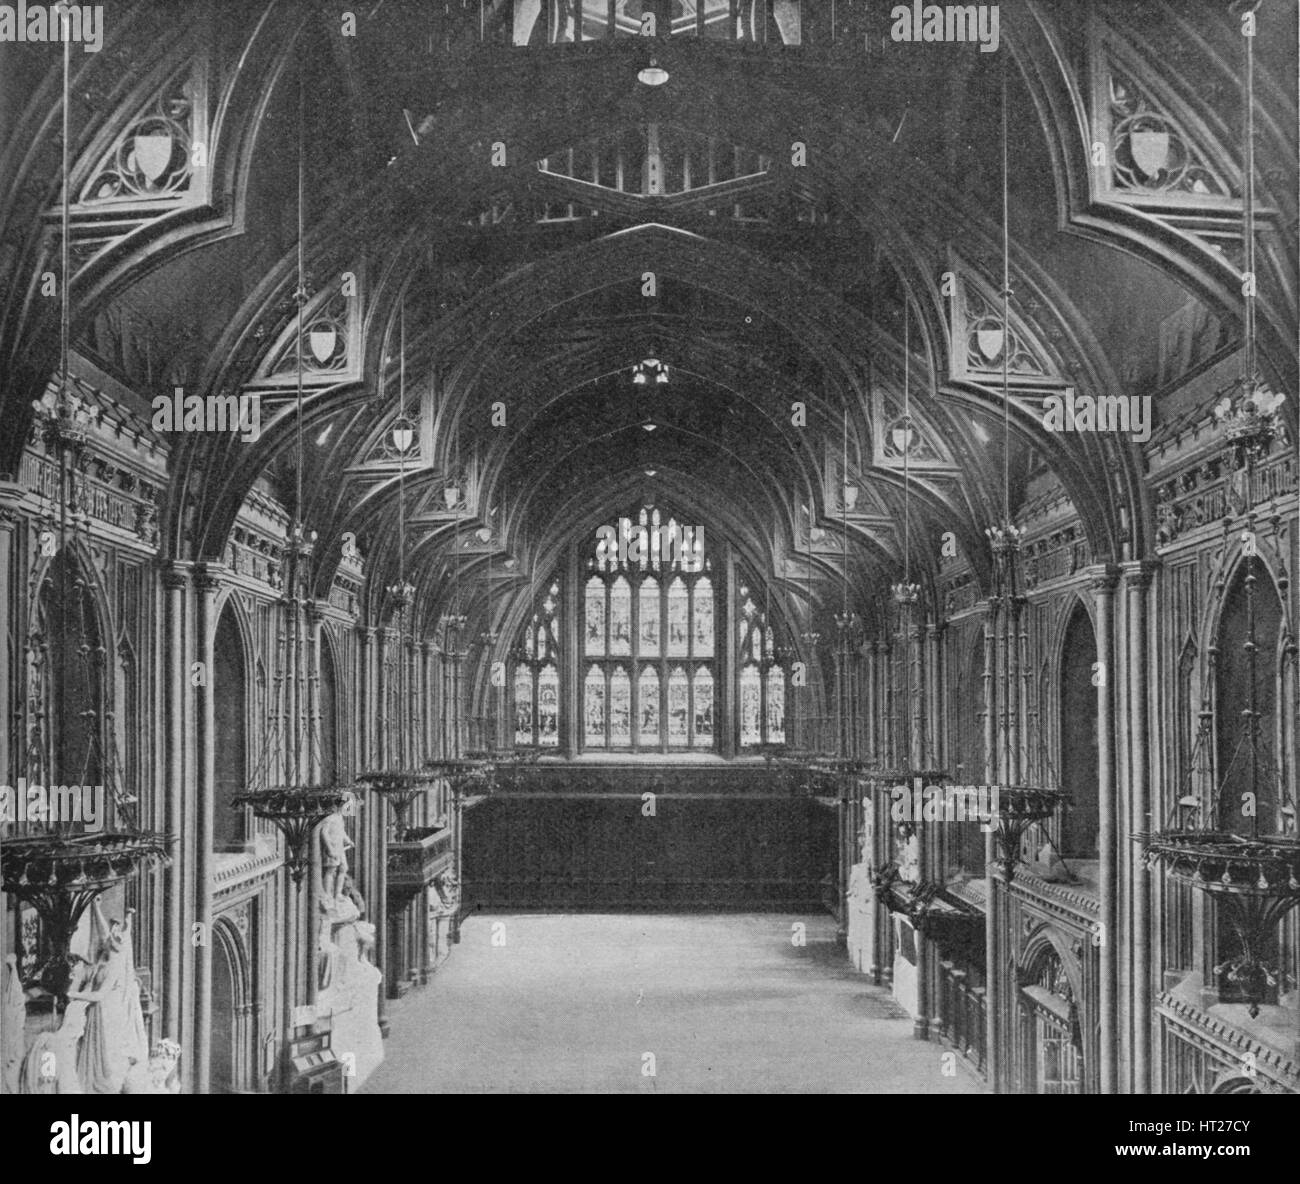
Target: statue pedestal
<point x="349" y="999"/>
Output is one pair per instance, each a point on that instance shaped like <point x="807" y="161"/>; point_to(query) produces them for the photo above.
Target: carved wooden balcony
<point x="417" y="857"/>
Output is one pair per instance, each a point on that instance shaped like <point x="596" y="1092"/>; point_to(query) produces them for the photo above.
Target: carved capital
<point x="207" y="580"/>
<point x="174" y="579"/>
<point x="1103" y="579"/>
<point x="1139" y="573"/>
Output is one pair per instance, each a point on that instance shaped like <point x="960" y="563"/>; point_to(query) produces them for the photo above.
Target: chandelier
<point x="57" y="870"/>
<point x="1019" y="806"/>
<point x="295" y="809"/>
<point x="1250" y="417"/>
<point x="1253" y="879"/>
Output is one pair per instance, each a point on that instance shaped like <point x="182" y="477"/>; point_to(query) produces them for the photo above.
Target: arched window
<point x="69" y="639"/>
<point x="230" y="717"/>
<point x="762" y="677"/>
<point x="329" y="752"/>
<point x="1079" y="764"/>
<point x="537" y="676"/>
<point x="648" y="637"/>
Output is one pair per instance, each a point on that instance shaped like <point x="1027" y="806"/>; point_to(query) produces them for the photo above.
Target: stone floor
<point x="654" y="1004"/>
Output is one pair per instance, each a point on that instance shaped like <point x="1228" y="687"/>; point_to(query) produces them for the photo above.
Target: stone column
<point x="426" y="701"/>
<point x="382" y="759"/>
<point x="992" y="961"/>
<point x="1017" y="608"/>
<point x="9" y="665"/>
<point x="871" y="650"/>
<point x="207" y="586"/>
<point x="175" y="582"/>
<point x="315" y="890"/>
<point x="1138" y="584"/>
<point x="1103" y="589"/>
<point x="314" y="757"/>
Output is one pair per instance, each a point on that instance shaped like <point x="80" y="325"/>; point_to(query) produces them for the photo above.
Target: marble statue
<point x="861" y="938"/>
<point x="51" y="1065"/>
<point x="15" y="1023"/>
<point x="334" y="844"/>
<point x="348" y="981"/>
<point x="161" y="1075"/>
<point x="100" y="1044"/>
<point x="115" y="1036"/>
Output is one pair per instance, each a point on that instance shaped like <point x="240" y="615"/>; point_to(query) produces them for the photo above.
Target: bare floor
<point x="655" y="1004"/>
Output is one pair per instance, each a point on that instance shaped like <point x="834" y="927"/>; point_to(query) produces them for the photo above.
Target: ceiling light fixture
<point x="653" y="74"/>
<point x="642" y="372"/>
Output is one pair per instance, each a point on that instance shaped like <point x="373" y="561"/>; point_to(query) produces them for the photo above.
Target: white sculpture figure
<point x="861" y="933"/>
<point x="51" y="1065"/>
<point x="349" y="983"/>
<point x="909" y="855"/>
<point x="115" y="1037"/>
<point x="160" y="1075"/>
<point x="334" y="844"/>
<point x="327" y="952"/>
<point x="15" y="1023"/>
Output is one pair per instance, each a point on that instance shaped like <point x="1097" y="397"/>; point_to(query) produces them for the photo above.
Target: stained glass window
<point x="648" y="688"/>
<point x="537" y="675"/>
<point x="678" y="700"/>
<point x="562" y="22"/>
<point x="594" y="698"/>
<point x="702" y="602"/>
<point x="620" y="618"/>
<point x="523" y="704"/>
<point x="703" y="733"/>
<point x="678" y="613"/>
<point x="751" y="703"/>
<point x="620" y="708"/>
<point x="775" y="705"/>
<point x="648" y="598"/>
<point x="595" y="617"/>
<point x="648" y="605"/>
<point x="548" y="707"/>
<point x="762" y="677"/>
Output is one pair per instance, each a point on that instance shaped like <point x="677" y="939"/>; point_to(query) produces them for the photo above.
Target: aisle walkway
<point x="592" y="1003"/>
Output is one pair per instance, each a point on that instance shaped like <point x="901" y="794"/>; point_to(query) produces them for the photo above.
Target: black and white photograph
<point x="631" y="547"/>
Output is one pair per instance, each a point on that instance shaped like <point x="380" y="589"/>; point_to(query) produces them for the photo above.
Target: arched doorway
<point x="224" y="993"/>
<point x="233" y="1061"/>
<point x="1051" y="1039"/>
<point x="1079" y="762"/>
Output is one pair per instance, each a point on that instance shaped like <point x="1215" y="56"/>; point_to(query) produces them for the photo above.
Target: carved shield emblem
<point x="990" y="342"/>
<point x="1150" y="151"/>
<point x="322" y="342"/>
<point x="451" y="494"/>
<point x="153" y="153"/>
<point x="903" y="439"/>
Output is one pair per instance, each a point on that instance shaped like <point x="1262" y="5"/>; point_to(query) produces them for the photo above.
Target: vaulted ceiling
<point x="496" y="235"/>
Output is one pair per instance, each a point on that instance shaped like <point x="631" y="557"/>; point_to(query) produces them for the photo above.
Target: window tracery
<point x="648" y="638"/>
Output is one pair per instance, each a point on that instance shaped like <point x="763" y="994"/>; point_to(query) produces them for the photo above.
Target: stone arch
<point x="233" y="1036"/>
